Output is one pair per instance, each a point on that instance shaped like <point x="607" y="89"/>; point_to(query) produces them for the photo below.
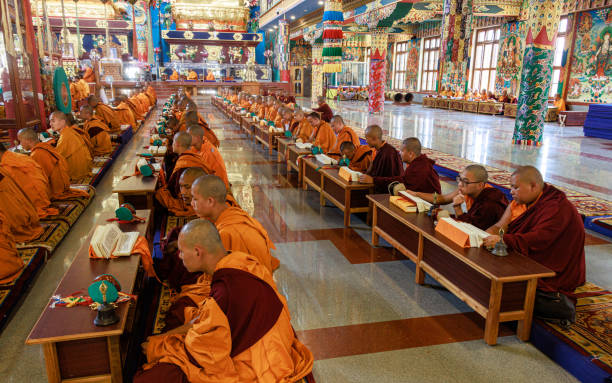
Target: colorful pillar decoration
<point x="378" y="73"/>
<point x="283" y="49"/>
<point x="317" y="73"/>
<point x="542" y="26"/>
<point x="332" y="36"/>
<point x="134" y="34"/>
<point x="455" y="46"/>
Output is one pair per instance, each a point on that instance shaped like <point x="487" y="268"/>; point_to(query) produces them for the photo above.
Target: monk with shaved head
<point x="209" y="153"/>
<point x="72" y="146"/>
<point x="343" y="133"/>
<point x="124" y="113"/>
<point x="386" y="163"/>
<point x="240" y="333"/>
<point x="323" y="135"/>
<point x="543" y="224"/>
<point x="192" y="117"/>
<point x="180" y="206"/>
<point x="105" y="113"/>
<point x="97" y="130"/>
<point x="238" y="230"/>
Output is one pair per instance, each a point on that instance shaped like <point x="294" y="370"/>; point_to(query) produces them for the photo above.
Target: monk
<point x="187" y="158"/>
<point x="180" y="206"/>
<point x="89" y="75"/>
<point x="74" y="93"/>
<point x="360" y="157"/>
<point x="543" y="224"/>
<point x="191" y="118"/>
<point x="504" y="97"/>
<point x="343" y="134"/>
<point x="10" y="261"/>
<point x="124" y="113"/>
<point x="174" y="76"/>
<point x="141" y="108"/>
<point x="21" y="216"/>
<point x="105" y="113"/>
<point x="145" y="100"/>
<point x="150" y="92"/>
<point x="559" y="103"/>
<point x="124" y="101"/>
<point x="209" y="153"/>
<point x="30" y="177"/>
<point x="219" y="344"/>
<point x="485" y="204"/>
<point x="210" y="76"/>
<point x="53" y="164"/>
<point x="323" y="135"/>
<point x="386" y="163"/>
<point x="238" y="230"/>
<point x="98" y="132"/>
<point x="304" y="129"/>
<point x="83" y="88"/>
<point x="419" y="174"/>
<point x="324" y="109"/>
<point x="72" y="147"/>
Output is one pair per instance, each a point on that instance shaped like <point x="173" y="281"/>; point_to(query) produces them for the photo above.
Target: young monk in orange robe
<point x="23" y="222"/>
<point x="29" y="176"/>
<point x="174" y="76"/>
<point x="105" y="113"/>
<point x="98" y="132"/>
<point x="209" y="153"/>
<point x="123" y="100"/>
<point x="192" y="117"/>
<point x="83" y="87"/>
<point x="10" y="261"/>
<point x="343" y="134"/>
<point x="219" y="344"/>
<point x="180" y="206"/>
<point x="150" y="92"/>
<point x="238" y="230"/>
<point x="89" y="75"/>
<point x="187" y="158"/>
<point x="323" y="135"/>
<point x="72" y="147"/>
<point x="124" y="113"/>
<point x="304" y="130"/>
<point x="144" y="100"/>
<point x="360" y="157"/>
<point x="53" y="165"/>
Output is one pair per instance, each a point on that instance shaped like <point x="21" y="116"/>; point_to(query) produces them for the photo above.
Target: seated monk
<point x="145" y="101"/>
<point x="288" y="123"/>
<point x="323" y="135"/>
<point x="72" y="147"/>
<point x="192" y="75"/>
<point x="191" y="118"/>
<point x="271" y="110"/>
<point x="442" y="91"/>
<point x="483" y="95"/>
<point x="98" y="132"/>
<point x="180" y="206"/>
<point x="21" y="216"/>
<point x="30" y="177"/>
<point x="150" y="92"/>
<point x="559" y="103"/>
<point x="74" y="94"/>
<point x="211" y="156"/>
<point x="387" y="161"/>
<point x="83" y="87"/>
<point x="105" y="113"/>
<point x="360" y="157"/>
<point x="89" y="75"/>
<point x="210" y="76"/>
<point x="174" y="76"/>
<point x="82" y="132"/>
<point x="419" y="175"/>
<point x="141" y="108"/>
<point x="324" y="109"/>
<point x="218" y="344"/>
<point x="124" y="100"/>
<point x="343" y="134"/>
<point x="504" y="97"/>
<point x="542" y="224"/>
<point x="485" y="204"/>
<point x="238" y="230"/>
<point x="53" y="164"/>
<point x="10" y="261"/>
<point x="304" y="130"/>
<point x="255" y="105"/>
<point x="187" y="158"/>
<point x="124" y="113"/>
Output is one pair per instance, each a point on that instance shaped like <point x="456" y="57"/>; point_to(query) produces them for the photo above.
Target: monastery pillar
<point x="317" y="72"/>
<point x="378" y="73"/>
<point x="542" y="26"/>
<point x="283" y="49"/>
<point x="455" y="44"/>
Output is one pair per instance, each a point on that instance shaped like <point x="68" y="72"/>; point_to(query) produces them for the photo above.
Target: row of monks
<point x="485" y="95"/>
<point x="34" y="181"/>
<point x="191" y="75"/>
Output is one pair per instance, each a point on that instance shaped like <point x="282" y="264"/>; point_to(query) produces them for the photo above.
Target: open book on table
<point x="108" y="241"/>
<point x="462" y="233"/>
<point x="421" y="205"/>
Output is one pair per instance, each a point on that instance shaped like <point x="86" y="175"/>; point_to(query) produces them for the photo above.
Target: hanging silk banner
<point x="332" y="36"/>
<point x="378" y="73"/>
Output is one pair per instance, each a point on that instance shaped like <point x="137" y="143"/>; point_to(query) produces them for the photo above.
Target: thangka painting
<point x="301" y="53"/>
<point x="412" y="64"/>
<point x="510" y="60"/>
<point x="389" y="60"/>
<point x="591" y="73"/>
<point x="210" y="53"/>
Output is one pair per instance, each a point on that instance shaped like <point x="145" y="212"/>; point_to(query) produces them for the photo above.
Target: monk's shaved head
<point x="58" y="121"/>
<point x="192" y="174"/>
<point x="412" y="145"/>
<point x="196" y="130"/>
<point x="200" y="245"/>
<point x="478" y="172"/>
<point x="28" y="134"/>
<point x="337" y="119"/>
<point x="86" y="111"/>
<point x="526" y="184"/>
<point x="182" y="140"/>
<point x="374" y="131"/>
<point x="60" y="116"/>
<point x="93" y="100"/>
<point x="210" y="186"/>
<point x="529" y="174"/>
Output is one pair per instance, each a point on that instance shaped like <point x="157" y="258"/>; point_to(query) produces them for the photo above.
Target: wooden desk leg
<point x="375" y="236"/>
<point x="52" y="363"/>
<point x="347" y="208"/>
<point x="150" y="201"/>
<point x="321" y="196"/>
<point x="121" y="199"/>
<point x="492" y="320"/>
<point x="524" y="326"/>
<point x="270" y="145"/>
<point x="114" y="357"/>
<point x="419" y="276"/>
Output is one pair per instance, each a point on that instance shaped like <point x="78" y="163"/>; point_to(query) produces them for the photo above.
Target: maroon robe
<point x="419" y="176"/>
<point x="326" y="112"/>
<point x="487" y="208"/>
<point x="551" y="232"/>
<point x="387" y="164"/>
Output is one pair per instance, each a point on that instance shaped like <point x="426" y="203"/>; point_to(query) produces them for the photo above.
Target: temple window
<point x="559" y="47"/>
<point x="485" y="58"/>
<point x="401" y="58"/>
<point x="429" y="65"/>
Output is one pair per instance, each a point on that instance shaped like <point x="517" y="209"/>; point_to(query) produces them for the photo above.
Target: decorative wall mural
<point x="591" y="73"/>
<point x="210" y="53"/>
<point x="412" y="65"/>
<point x="510" y="60"/>
<point x="301" y="53"/>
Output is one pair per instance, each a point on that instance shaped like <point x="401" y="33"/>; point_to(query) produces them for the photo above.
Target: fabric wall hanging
<point x="332" y="36"/>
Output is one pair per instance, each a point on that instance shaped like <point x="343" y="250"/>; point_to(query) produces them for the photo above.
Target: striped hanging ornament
<point x="332" y="36"/>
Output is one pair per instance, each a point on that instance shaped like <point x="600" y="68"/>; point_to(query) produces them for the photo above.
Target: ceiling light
<point x="320" y="3"/>
<point x="276" y="27"/>
<point x="270" y="30"/>
<point x="292" y="17"/>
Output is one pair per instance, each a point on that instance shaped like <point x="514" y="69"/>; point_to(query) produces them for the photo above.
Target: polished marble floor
<point x="355" y="306"/>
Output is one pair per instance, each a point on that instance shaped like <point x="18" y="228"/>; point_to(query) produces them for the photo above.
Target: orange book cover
<point x="453" y="233"/>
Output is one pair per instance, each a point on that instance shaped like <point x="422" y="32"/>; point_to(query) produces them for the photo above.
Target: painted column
<point x="455" y="44"/>
<point x="542" y="26"/>
<point x="378" y="73"/>
<point x="134" y="35"/>
<point x="283" y="49"/>
<point x="317" y="73"/>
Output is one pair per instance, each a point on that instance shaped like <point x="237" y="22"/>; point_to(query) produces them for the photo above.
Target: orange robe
<point x="304" y="131"/>
<point x="89" y="75"/>
<point x="23" y="223"/>
<point x="74" y="94"/>
<point x="560" y="105"/>
<point x="192" y="75"/>
<point x="241" y="232"/>
<point x="125" y="115"/>
<point x="100" y="139"/>
<point x="150" y="92"/>
<point x="203" y="354"/>
<point x="346" y="134"/>
<point x="74" y="149"/>
<point x="210" y="76"/>
<point x="362" y="159"/>
<point x="10" y="261"/>
<point x="325" y="137"/>
<point x="86" y="138"/>
<point x="142" y="108"/>
<point x="174" y="75"/>
<point x="138" y="116"/>
<point x="175" y="205"/>
<point x="56" y="169"/>
<point x="271" y="113"/>
<point x="83" y="87"/>
<point x="188" y="159"/>
<point x="144" y="100"/>
<point x="30" y="177"/>
<point x="214" y="161"/>
<point x="108" y="116"/>
<point x="263" y="111"/>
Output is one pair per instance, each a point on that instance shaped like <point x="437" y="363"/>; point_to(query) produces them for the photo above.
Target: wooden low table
<point x="311" y="175"/>
<point x="572" y="118"/>
<point x="470" y="106"/>
<point x="429" y="102"/>
<point x="501" y="289"/>
<point x="283" y="146"/>
<point x="350" y="197"/>
<point x="267" y="138"/>
<point x="510" y="110"/>
<point x="456" y="105"/>
<point x="293" y="162"/>
<point x="75" y="349"/>
<point x="137" y="190"/>
<point x="491" y="107"/>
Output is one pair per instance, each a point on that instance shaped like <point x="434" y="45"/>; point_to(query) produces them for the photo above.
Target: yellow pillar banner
<point x="317" y="73"/>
